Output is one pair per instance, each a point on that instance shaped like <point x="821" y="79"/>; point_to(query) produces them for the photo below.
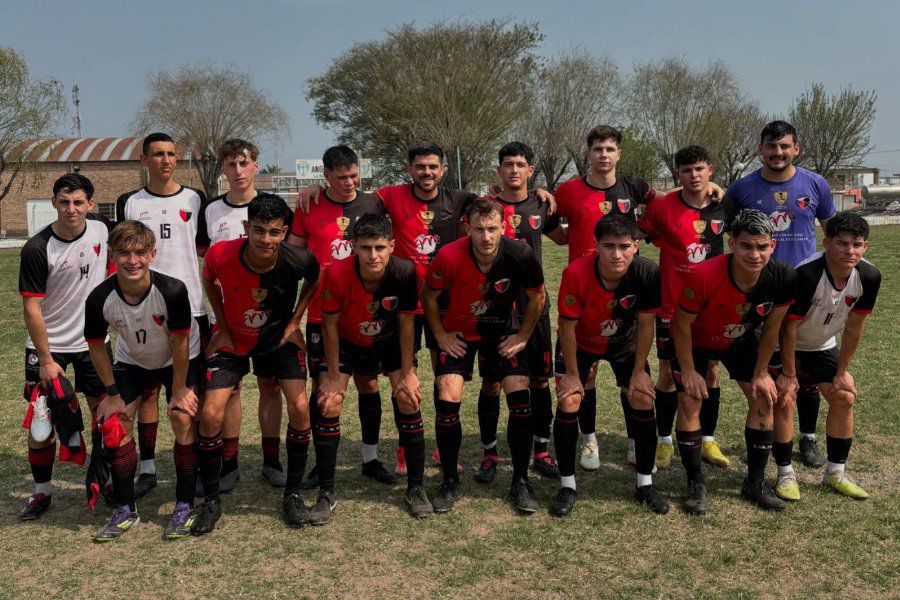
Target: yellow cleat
<point x="664" y="454"/>
<point x="842" y="484"/>
<point x="712" y="454"/>
<point x="786" y="488"/>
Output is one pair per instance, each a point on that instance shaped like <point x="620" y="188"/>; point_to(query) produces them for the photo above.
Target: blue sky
<point x="775" y="48"/>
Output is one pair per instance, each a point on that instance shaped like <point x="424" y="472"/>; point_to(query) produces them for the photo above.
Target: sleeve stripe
<point x="796" y="317"/>
<point x="863" y="311"/>
<point x="331" y="312"/>
<point x="180" y="331"/>
<point x="32" y="294"/>
<point x="535" y="289"/>
<point x="101" y="340"/>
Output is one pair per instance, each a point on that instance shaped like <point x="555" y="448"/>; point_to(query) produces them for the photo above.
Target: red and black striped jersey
<point x="482" y="306"/>
<point x="368" y="317"/>
<point x="607" y="319"/>
<point x="725" y="313"/>
<point x="258" y="306"/>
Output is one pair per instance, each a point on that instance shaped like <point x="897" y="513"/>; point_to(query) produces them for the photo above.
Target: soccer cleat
<point x="564" y="502"/>
<point x="122" y="520"/>
<point x="320" y="513"/>
<point x="436" y="456"/>
<point x="418" y="503"/>
<point x="521" y="494"/>
<point x="758" y="492"/>
<point x="311" y="481"/>
<point x="809" y="453"/>
<point x="206" y="517"/>
<point x="274" y="475"/>
<point x="696" y="502"/>
<point x="228" y="481"/>
<point x="650" y="497"/>
<point x="143" y="484"/>
<point x="400" y="467"/>
<point x="544" y="464"/>
<point x="41" y="427"/>
<point x="786" y="487"/>
<point x="180" y="524"/>
<point x="375" y="470"/>
<point x="842" y="484"/>
<point x="488" y="469"/>
<point x="590" y="457"/>
<point x="296" y="514"/>
<point x="446" y="497"/>
<point x="664" y="454"/>
<point x="35" y="506"/>
<point x="712" y="454"/>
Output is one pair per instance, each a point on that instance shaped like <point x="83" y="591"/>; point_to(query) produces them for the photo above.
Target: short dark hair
<point x="691" y="155"/>
<point x="616" y="226"/>
<point x="338" y="157"/>
<point x="604" y="132"/>
<point x="154" y="137"/>
<point x="71" y="182"/>
<point x="847" y="222"/>
<point x="516" y="149"/>
<point x="236" y="147"/>
<point x="777" y="130"/>
<point x="424" y="149"/>
<point x="483" y="207"/>
<point x="372" y="226"/>
<point x="754" y="222"/>
<point x="266" y="207"/>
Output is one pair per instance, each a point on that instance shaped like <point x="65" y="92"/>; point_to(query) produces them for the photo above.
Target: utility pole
<point x="77" y="102"/>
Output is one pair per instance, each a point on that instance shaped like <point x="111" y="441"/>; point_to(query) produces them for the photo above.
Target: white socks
<point x="369" y="452"/>
<point x="664" y="439"/>
<point x="568" y="481"/>
<point x="708" y="438"/>
<point x="643" y="480"/>
<point x="46" y="488"/>
<point x="148" y="467"/>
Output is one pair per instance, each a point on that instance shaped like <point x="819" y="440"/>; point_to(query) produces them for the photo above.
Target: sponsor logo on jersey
<point x="119" y="323"/>
<point x="343" y="223"/>
<point x="624" y="204"/>
<point x="97" y="249"/>
<point x="159" y="319"/>
<point x="534" y="221"/>
<point x="479" y="307"/>
<point x="514" y="220"/>
<point x="371" y="307"/>
<point x="371" y="328"/>
<point x="65" y="266"/>
<point x="627" y="302"/>
<point x="850" y="300"/>
<point x="780" y="197"/>
<point x="426" y="243"/>
<point x="144" y="215"/>
<point x="717" y="226"/>
<point x="699" y="226"/>
<point x="427" y="216"/>
<point x="259" y="294"/>
<point x="390" y="302"/>
<point x="605" y="206"/>
<point x="610" y="327"/>
<point x="501" y="285"/>
<point x="696" y="253"/>
<point x="341" y="248"/>
<point x="735" y="330"/>
<point x="781" y="220"/>
<point x="803" y="202"/>
<point x="185" y="215"/>
<point x="764" y="308"/>
<point x="743" y="308"/>
<point x="255" y="318"/>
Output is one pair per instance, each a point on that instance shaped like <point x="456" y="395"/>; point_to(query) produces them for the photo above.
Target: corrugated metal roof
<point x="72" y="150"/>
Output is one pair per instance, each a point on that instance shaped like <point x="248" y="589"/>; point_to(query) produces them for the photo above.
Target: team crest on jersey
<point x="372" y="307"/>
<point x="534" y="221"/>
<point x="390" y="302"/>
<point x="696" y="253"/>
<point x="341" y="248"/>
<point x="735" y="330"/>
<point x="803" y="202"/>
<point x="159" y="319"/>
<point x="479" y="307"/>
<point x="97" y="249"/>
<point x="699" y="226"/>
<point x="427" y="216"/>
<point x="501" y="285"/>
<point x="781" y="220"/>
<point x="850" y="300"/>
<point x="627" y="302"/>
<point x="610" y="327"/>
<point x="688" y="293"/>
<point x="255" y="318"/>
<point x="717" y="226"/>
<point x="569" y="300"/>
<point x="343" y="223"/>
<point x="371" y="328"/>
<point x="426" y="243"/>
<point x="743" y="308"/>
<point x="259" y="294"/>
<point x="764" y="308"/>
<point x="605" y="206"/>
<point x="326" y="294"/>
<point x="624" y="204"/>
<point x="514" y="220"/>
<point x="780" y="197"/>
<point x="437" y="275"/>
<point x="185" y="215"/>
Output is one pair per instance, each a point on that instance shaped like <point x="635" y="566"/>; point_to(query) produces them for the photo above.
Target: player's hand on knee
<point x="452" y="343"/>
<point x="694" y="385"/>
<point x="787" y="388"/>
<point x="641" y="382"/>
<point x="409" y="389"/>
<point x="568" y="385"/>
<point x="762" y="386"/>
<point x="49" y="372"/>
<point x="109" y="406"/>
<point x="510" y="345"/>
<point x="185" y="401"/>
<point x="844" y="382"/>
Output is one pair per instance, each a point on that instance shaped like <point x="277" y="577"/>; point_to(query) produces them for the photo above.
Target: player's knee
<point x="490" y="387"/>
<point x="841" y="400"/>
<point x="712" y="375"/>
<point x="664" y="379"/>
<point x="570" y="403"/>
<point x="641" y="401"/>
<point x="182" y="423"/>
<point x="365" y="384"/>
<point x="689" y="406"/>
<point x="406" y="405"/>
<point x="514" y="383"/>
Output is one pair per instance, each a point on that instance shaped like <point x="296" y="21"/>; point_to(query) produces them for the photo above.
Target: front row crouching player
<point x="368" y="309"/>
<point x="836" y="291"/>
<point x="158" y="344"/>
<point x="607" y="310"/>
<point x="482" y="275"/>
<point x="731" y="310"/>
<point x="252" y="286"/>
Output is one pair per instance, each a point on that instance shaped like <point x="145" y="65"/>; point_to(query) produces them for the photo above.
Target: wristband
<point x="112" y="390"/>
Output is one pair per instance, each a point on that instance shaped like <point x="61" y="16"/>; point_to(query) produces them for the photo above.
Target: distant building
<point x="847" y="176"/>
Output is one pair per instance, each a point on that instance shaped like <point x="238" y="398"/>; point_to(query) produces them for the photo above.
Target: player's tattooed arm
<point x="183" y="398"/>
<point x="307" y="194"/>
<point x="570" y="383"/>
<point x="450" y="342"/>
<point x="761" y="384"/>
<point x="694" y="384"/>
<point x="512" y="344"/>
<point x="640" y="379"/>
<point x="37" y="330"/>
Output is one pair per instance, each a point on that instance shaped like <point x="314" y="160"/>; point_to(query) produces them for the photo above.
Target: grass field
<point x="823" y="546"/>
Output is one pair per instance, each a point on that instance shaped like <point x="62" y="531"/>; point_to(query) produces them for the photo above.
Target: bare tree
<point x="638" y="156"/>
<point x="29" y="109"/>
<point x="205" y="105"/>
<point x="461" y="85"/>
<point x="834" y="129"/>
<point x="733" y="147"/>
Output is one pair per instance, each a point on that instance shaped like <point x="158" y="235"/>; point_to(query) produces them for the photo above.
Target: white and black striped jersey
<point x="224" y="220"/>
<point x="144" y="327"/>
<point x="178" y="222"/>
<point x="63" y="273"/>
<point x="823" y="307"/>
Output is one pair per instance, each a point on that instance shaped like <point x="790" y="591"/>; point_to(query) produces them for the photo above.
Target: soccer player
<point x="728" y="300"/>
<point x="607" y="308"/>
<point x="224" y="216"/>
<point x="836" y="291"/>
<point x="157" y="344"/>
<point x="688" y="226"/>
<point x="794" y="198"/>
<point x="368" y="308"/>
<point x="252" y="287"/>
<point x="525" y="218"/>
<point x="173" y="212"/>
<point x="324" y="230"/>
<point x="59" y="266"/>
<point x="483" y="275"/>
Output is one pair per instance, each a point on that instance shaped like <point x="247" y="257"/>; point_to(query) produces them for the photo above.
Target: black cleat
<point x="650" y="497"/>
<point x="809" y="453"/>
<point x="227" y="481"/>
<point x="417" y="501"/>
<point x="375" y="470"/>
<point x="207" y="516"/>
<point x="488" y="469"/>
<point x="759" y="493"/>
<point x="521" y="494"/>
<point x="36" y="505"/>
<point x="564" y="502"/>
<point x="274" y="474"/>
<point x="143" y="484"/>
<point x="320" y="513"/>
<point x="296" y="514"/>
<point x="696" y="502"/>
<point x="311" y="481"/>
<point x="446" y="497"/>
<point x="545" y="465"/>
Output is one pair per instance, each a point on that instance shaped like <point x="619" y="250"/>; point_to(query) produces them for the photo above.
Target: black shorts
<point x="134" y="381"/>
<point x="225" y="370"/>
<point x="490" y="364"/>
<point x="540" y="349"/>
<point x="423" y="329"/>
<point x="315" y="347"/>
<point x="380" y="359"/>
<point x="86" y="379"/>
<point x="814" y="366"/>
<point x="665" y="343"/>
<point x="739" y="361"/>
<point x="622" y="366"/>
